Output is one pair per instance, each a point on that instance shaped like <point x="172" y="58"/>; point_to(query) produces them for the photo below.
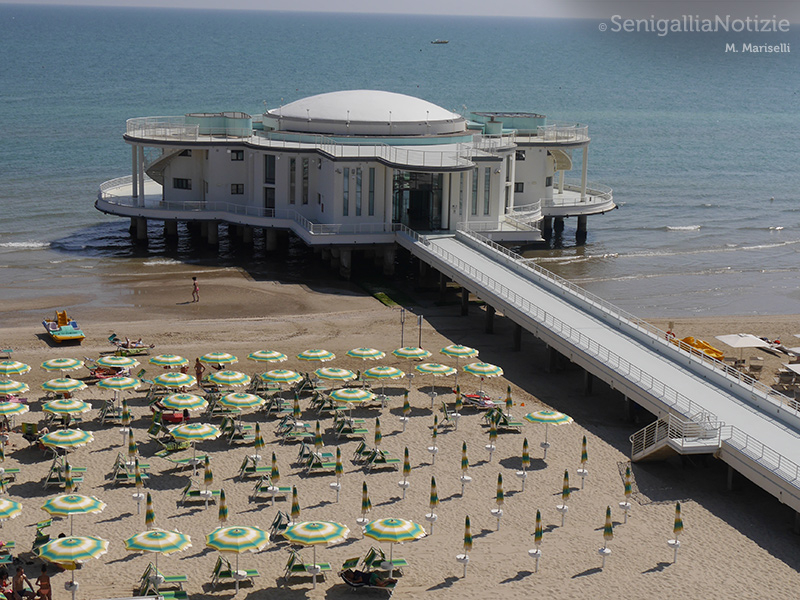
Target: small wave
<point x="682" y="228"/>
<point x="161" y="261"/>
<point x="29" y="245"/>
<point x="776" y="228"/>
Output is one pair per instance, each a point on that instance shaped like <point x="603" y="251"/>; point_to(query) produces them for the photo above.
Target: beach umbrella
<point x="296" y="412"/>
<point x="67" y="505"/>
<point x="433" y="448"/>
<point x="12" y="409"/>
<point x="258" y="444"/>
<point x="608" y="535"/>
<point x="318" y="437"/>
<point x="281" y="376"/>
<point x="435" y="369"/>
<point x="677" y="529"/>
<point x="62" y="364"/>
<point x="548" y="417"/>
<point x="536" y="552"/>
<point x="406" y="472"/>
<point x="335" y="374"/>
<point x="378" y="436"/>
<point x="71" y="551"/>
<point x="218" y="358"/>
<point x="411" y="353"/>
<point x="626" y="505"/>
<point x="491" y="446"/>
<point x="394" y="531"/>
<point x="241" y="401"/>
<point x="338" y="472"/>
<point x="149" y="513"/>
<point x="119" y="384"/>
<point x="354" y="395"/>
<point x="382" y="373"/>
<point x="274" y="477"/>
<point x="222" y="515"/>
<point x="174" y="379"/>
<point x="133" y="451"/>
<point x="316" y="354"/>
<point x="9" y="509"/>
<point x="465" y="479"/>
<point x="117" y="362"/>
<point x="267" y="356"/>
<point x="66" y="439"/>
<point x="406" y="410"/>
<point x="69" y="484"/>
<point x="63" y="385"/>
<point x="9" y="387"/>
<point x="181" y="402"/>
<point x="168" y="361"/>
<point x="66" y="406"/>
<point x="584" y="459"/>
<point x="565" y="491"/>
<point x="193" y="433"/>
<point x="125" y="418"/>
<point x="228" y="378"/>
<point x="138" y="484"/>
<point x="458" y="352"/>
<point x="366" y="353"/>
<point x="464" y="558"/>
<point x="499" y="499"/>
<point x="366" y="505"/>
<point x="295" y="510"/>
<point x="509" y="401"/>
<point x="526" y="463"/>
<point x="315" y="533"/>
<point x="13" y="367"/>
<point x="208" y="479"/>
<point x="742" y="341"/>
<point x="158" y="541"/>
<point x="237" y="540"/>
<point x="484" y="371"/>
<point x="433" y="503"/>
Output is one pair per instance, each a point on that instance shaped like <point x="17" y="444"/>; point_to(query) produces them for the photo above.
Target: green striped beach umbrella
<point x="548" y="417"/>
<point x="241" y="401"/>
<point x="467" y="536"/>
<point x="9" y="386"/>
<point x="509" y="401"/>
<point x="2" y="460"/>
<point x="63" y="385"/>
<point x="275" y="474"/>
<point x="565" y="490"/>
<point x="208" y="475"/>
<point x="339" y="469"/>
<point x="119" y="384"/>
<point x="296" y="413"/>
<point x="378" y="435"/>
<point x="492" y="445"/>
<point x="366" y="504"/>
<point x="218" y="358"/>
<point x="406" y="405"/>
<point x="281" y="376"/>
<point x="459" y="351"/>
<point x="628" y="484"/>
<point x="174" y="379"/>
<point x="267" y="356"/>
<point x="383" y="372"/>
<point x="193" y="433"/>
<point x="464" y="460"/>
<point x="538" y="531"/>
<point x="433" y="503"/>
<point x="69" y="484"/>
<point x="158" y="541"/>
<point x="316" y="354"/>
<point x="335" y="374"/>
<point x="117" y="362"/>
<point x="133" y="450"/>
<point x="526" y="457"/>
<point x="228" y="378"/>
<point x="62" y="364"/>
<point x="315" y="533"/>
<point x="138" y="483"/>
<point x="222" y="515"/>
<point x="406" y="472"/>
<point x="168" y="361"/>
<point x="584" y="452"/>
<point x="435" y="369"/>
<point x="181" y="402"/>
<point x="500" y="496"/>
<point x="394" y="531"/>
<point x="150" y="513"/>
<point x="12" y="409"/>
<point x="13" y="367"/>
<point x="295" y="511"/>
<point x="68" y="505"/>
<point x="258" y="443"/>
<point x="237" y="540"/>
<point x="70" y="551"/>
<point x="483" y="370"/>
<point x="66" y="406"/>
<point x="677" y="527"/>
<point x="411" y="353"/>
<point x="66" y="438"/>
<point x="9" y="509"/>
<point x="317" y="437"/>
<point x="354" y="395"/>
<point x="366" y="353"/>
<point x="608" y="528"/>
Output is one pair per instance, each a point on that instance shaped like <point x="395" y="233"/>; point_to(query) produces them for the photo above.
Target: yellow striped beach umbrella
<point x="208" y="475"/>
<point x="66" y="406"/>
<point x="378" y="435"/>
<point x="258" y="444"/>
<point x="68" y="505"/>
<point x="13" y="367"/>
<point x="241" y="401"/>
<point x="316" y="354"/>
<point x="394" y="531"/>
<point x="12" y="409"/>
<point x="218" y="358"/>
<point x="628" y="484"/>
<point x="295" y="512"/>
<point x="406" y="410"/>
<point x="119" y="384"/>
<point x="275" y="474"/>
<point x="63" y="385"/>
<point x="193" y="433"/>
<point x="9" y="386"/>
<point x="222" y="515"/>
<point x="382" y="373"/>
<point x="150" y="513"/>
<point x="366" y="504"/>
<point x="69" y="484"/>
<point x="158" y="541"/>
<point x="267" y="356"/>
<point x="181" y="402"/>
<point x="548" y="417"/>
<point x="66" y="438"/>
<point x="237" y="540"/>
<point x="68" y="552"/>
<point x="366" y="353"/>
<point x="351" y="395"/>
<point x="281" y="376"/>
<point x="565" y="490"/>
<point x="433" y="503"/>
<point x="500" y="497"/>
<point x="458" y="352"/>
<point x="126" y="415"/>
<point x="133" y="450"/>
<point x="335" y="374"/>
<point x="62" y="364"/>
<point x="296" y="413"/>
<point x="228" y="378"/>
<point x="315" y="533"/>
<point x="168" y="361"/>
<point x="117" y="362"/>
<point x="608" y="527"/>
<point x="174" y="379"/>
<point x="484" y="371"/>
<point x="492" y="445"/>
<point x="435" y="369"/>
<point x="677" y="527"/>
<point x="317" y="437"/>
<point x="9" y="509"/>
<point x="411" y="353"/>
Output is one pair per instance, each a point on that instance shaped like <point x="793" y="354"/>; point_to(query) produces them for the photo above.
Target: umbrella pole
<point x="314" y="567"/>
<point x="391" y="561"/>
<point x="236" y="575"/>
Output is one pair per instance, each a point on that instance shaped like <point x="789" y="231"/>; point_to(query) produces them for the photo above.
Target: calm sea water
<point x="700" y="145"/>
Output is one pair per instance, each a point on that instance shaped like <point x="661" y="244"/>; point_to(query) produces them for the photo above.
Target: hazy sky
<point x="601" y="9"/>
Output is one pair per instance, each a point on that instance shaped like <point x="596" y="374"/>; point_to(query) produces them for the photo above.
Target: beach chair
<point x="164" y="580"/>
<point x="348" y="428"/>
<point x="277" y="405"/>
<point x="41" y="537"/>
<point x="296" y="566"/>
<point x="361" y="453"/>
<point x="55" y="476"/>
<point x="187" y="462"/>
<point x="6" y="353"/>
<point x="376" y="559"/>
<point x="360" y="579"/>
<point x="448" y="420"/>
<point x="223" y="571"/>
<point x="380" y="459"/>
<point x="110" y="413"/>
<point x="251" y="467"/>
<point x="501" y="420"/>
<point x="264" y="486"/>
<point x="319" y="463"/>
<point x="279" y="525"/>
<point x="148" y="588"/>
<point x="236" y="431"/>
<point x="140" y="375"/>
<point x="193" y="493"/>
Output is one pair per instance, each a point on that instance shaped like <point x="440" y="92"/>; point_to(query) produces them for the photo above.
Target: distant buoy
<point x="772" y="199"/>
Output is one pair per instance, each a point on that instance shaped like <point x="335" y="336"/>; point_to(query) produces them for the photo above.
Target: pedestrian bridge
<point x="701" y="404"/>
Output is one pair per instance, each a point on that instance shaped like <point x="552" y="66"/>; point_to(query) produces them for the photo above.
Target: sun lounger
<point x="296" y="566"/>
<point x="223" y="571"/>
<point x="250" y="467"/>
<point x="379" y="459"/>
<point x="348" y="428"/>
<point x="150" y="573"/>
<point x="376" y="559"/>
<point x="193" y="493"/>
<point x="236" y="431"/>
<point x="41" y="536"/>
<point x="148" y="588"/>
<point x="359" y="579"/>
<point x="264" y="486"/>
<point x="319" y="463"/>
<point x="279" y="525"/>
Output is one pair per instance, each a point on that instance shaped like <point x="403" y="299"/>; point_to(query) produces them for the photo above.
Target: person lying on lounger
<point x="365" y="578"/>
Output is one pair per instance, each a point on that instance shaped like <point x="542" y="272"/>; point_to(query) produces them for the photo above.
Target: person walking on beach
<point x="199" y="369"/>
<point x="195" y="290"/>
<point x="43" y="581"/>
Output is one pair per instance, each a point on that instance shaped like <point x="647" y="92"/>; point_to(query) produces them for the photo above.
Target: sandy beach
<point x="735" y="544"/>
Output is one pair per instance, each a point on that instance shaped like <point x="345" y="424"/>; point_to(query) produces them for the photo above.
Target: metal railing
<point x="162" y="128"/>
<point x="558" y="132"/>
<point x="596" y="193"/>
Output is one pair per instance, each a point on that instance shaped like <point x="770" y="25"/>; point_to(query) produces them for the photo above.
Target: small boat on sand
<point x="63" y="328"/>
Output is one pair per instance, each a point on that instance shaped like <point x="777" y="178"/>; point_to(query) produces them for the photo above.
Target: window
<point x="269" y="168"/>
<point x="237" y="154"/>
<point x="358" y="192"/>
<point x="181" y="184"/>
<point x="548" y="182"/>
<point x="520" y="155"/>
<point x="305" y="181"/>
<point x="269" y="201"/>
<point x="371" y="201"/>
<point x="519" y="187"/>
<point x="345" y="192"/>
<point x="237" y="189"/>
<point x="185" y="153"/>
<point x="487" y="186"/>
<point x="460" y="194"/>
<point x="474" y="200"/>
<point x="508" y="168"/>
<point x="292" y="183"/>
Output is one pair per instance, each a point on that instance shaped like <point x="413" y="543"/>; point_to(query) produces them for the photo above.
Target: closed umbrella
<point x="491" y="446"/>
<point x="71" y="551"/>
<point x="509" y="401"/>
<point x="433" y="449"/>
<point x="526" y="463"/>
<point x="626" y="505"/>
<point x="406" y="472"/>
<point x="208" y="479"/>
<point x="378" y="435"/>
<point x="465" y="479"/>
<point x="267" y="356"/>
<point x="222" y="516"/>
<point x="295" y="511"/>
<point x="138" y="484"/>
<point x="584" y="459"/>
<point x="150" y="513"/>
<point x="315" y="533"/>
<point x="338" y="472"/>
<point x="536" y="552"/>
<point x="464" y="558"/>
<point x="366" y="505"/>
<point x="433" y="503"/>
<point x="69" y="484"/>
<point x="406" y="410"/>
<point x="394" y="531"/>
<point x="68" y="505"/>
<point x="499" y="499"/>
<point x="133" y="450"/>
<point x="608" y="535"/>
<point x="318" y="444"/>
<point x="677" y="529"/>
<point x="258" y="444"/>
<point x="565" y="492"/>
<point x="237" y="540"/>
<point x="274" y="478"/>
<point x="168" y="361"/>
<point x="548" y="417"/>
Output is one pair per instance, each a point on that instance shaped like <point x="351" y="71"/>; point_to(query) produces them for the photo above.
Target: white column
<point x="134" y="173"/>
<point x="140" y="170"/>
<point x="561" y="182"/>
<point x="387" y="197"/>
<point x="583" y="171"/>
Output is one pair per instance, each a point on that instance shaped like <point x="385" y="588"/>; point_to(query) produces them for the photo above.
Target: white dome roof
<point x="367" y="112"/>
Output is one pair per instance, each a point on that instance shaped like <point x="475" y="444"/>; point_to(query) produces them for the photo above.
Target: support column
<point x="325" y="254"/>
<point x="134" y="174"/>
<point x="558" y="224"/>
<point x="490" y="312"/>
<point x="588" y="383"/>
<point x="132" y="227"/>
<point x="247" y="235"/>
<point x="423" y="270"/>
<point x="270" y="240"/>
<point x="213" y="233"/>
<point x="580" y="234"/>
<point x="629" y="410"/>
<point x="442" y="287"/>
<point x="204" y="229"/>
<point x="170" y="230"/>
<point x="141" y="230"/>
<point x="464" y="302"/>
<point x="731" y="476"/>
<point x="345" y="262"/>
<point x="547" y="227"/>
<point x="583" y="171"/>
<point x="517" y="338"/>
<point x="336" y="254"/>
<point x="140" y="171"/>
<point x="552" y="359"/>
<point x="388" y="260"/>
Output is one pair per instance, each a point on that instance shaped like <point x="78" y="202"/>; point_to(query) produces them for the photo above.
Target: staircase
<point x="673" y="435"/>
<point x="155" y="165"/>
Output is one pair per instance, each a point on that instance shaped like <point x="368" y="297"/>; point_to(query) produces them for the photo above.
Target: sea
<point x="699" y="144"/>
